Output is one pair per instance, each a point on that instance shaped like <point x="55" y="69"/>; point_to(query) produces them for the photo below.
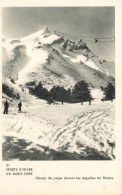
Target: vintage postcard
<point x="61" y="97"/>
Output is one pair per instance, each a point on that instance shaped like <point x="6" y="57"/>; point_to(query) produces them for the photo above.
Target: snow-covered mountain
<point x="56" y="131"/>
<point x="54" y="60"/>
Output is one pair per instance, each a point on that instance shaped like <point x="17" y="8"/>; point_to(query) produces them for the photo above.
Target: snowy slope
<point x="85" y="132"/>
<point x="43" y="36"/>
<point x="81" y="58"/>
<point x="45" y="56"/>
<point x="36" y="134"/>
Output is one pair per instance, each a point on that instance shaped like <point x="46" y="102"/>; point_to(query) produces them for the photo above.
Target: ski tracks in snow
<point x="32" y="129"/>
<point x="93" y="129"/>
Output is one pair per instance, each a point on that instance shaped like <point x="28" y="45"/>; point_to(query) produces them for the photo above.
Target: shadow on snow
<point x="17" y="150"/>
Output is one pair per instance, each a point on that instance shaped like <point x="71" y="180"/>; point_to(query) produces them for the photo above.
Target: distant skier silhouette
<point x="6" y="105"/>
<point x="19" y="106"/>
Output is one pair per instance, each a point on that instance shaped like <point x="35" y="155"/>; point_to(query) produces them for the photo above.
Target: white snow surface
<point x="82" y="58"/>
<point x="9" y="47"/>
<point x="70" y="127"/>
<point x="37" y="58"/>
<point x="97" y="94"/>
<point x="36" y="55"/>
<point x="43" y="36"/>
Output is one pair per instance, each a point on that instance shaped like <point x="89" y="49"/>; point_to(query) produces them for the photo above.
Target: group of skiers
<point x="6" y="106"/>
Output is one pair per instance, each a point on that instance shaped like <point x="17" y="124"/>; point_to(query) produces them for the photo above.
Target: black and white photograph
<point x="58" y="83"/>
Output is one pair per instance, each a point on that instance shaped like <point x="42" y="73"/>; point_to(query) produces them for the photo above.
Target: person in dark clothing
<point x="19" y="106"/>
<point x="6" y="105"/>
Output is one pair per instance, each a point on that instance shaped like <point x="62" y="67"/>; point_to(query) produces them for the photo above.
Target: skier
<point x="19" y="106"/>
<point x="6" y="105"/>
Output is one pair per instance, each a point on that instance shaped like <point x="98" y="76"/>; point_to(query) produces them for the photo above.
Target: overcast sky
<point x="83" y="21"/>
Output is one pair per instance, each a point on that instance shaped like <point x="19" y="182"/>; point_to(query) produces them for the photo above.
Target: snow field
<point x="82" y="126"/>
<point x="82" y="58"/>
<point x="93" y="129"/>
<point x="38" y="57"/>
